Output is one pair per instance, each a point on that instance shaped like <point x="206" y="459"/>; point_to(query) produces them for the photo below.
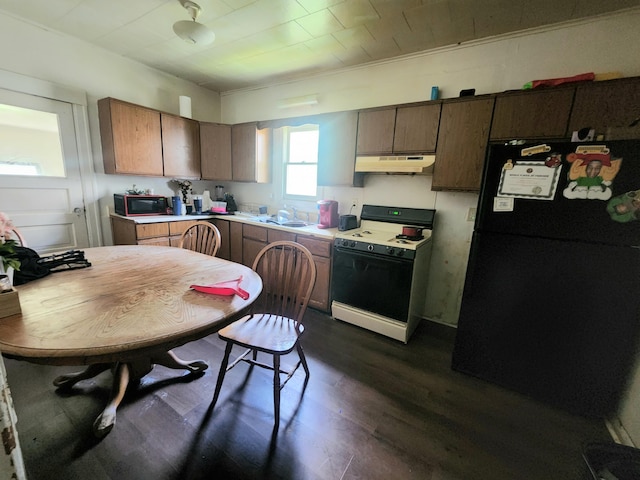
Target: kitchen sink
<point x="287" y="223"/>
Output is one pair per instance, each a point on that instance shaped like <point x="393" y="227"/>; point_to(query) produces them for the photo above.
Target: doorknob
<point x="78" y="211"/>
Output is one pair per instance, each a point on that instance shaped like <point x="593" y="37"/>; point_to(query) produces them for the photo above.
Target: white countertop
<point x="312" y="230"/>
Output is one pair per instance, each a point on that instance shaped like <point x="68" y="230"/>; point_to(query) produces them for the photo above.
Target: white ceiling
<point x="260" y="42"/>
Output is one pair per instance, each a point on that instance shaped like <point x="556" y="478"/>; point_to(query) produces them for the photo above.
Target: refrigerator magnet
<point x="503" y="204"/>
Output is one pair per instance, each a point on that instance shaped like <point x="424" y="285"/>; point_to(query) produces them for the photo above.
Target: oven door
<point x="371" y="282"/>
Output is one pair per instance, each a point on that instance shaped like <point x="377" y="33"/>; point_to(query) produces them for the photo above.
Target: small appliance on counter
<point x="219" y="192"/>
<point x="139" y="205"/>
<point x="327" y="214"/>
<point x="231" y="203"/>
<point x="347" y="222"/>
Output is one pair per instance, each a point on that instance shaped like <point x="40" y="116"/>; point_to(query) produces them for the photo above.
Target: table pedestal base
<point x="123" y="373"/>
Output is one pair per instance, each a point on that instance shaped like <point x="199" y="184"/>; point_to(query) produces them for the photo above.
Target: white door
<point x="40" y="183"/>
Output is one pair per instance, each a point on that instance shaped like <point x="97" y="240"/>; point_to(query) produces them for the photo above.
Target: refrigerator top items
<point x="379" y="276"/>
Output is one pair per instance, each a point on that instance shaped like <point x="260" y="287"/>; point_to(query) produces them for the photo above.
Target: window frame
<point x="288" y="130"/>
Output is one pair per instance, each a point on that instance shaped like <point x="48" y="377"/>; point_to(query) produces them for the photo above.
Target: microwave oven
<point x="135" y="205"/>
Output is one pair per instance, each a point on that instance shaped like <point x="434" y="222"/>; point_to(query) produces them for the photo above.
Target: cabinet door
<point x="215" y="151"/>
<point x="250" y="249"/>
<point x="250" y="153"/>
<point x="180" y="146"/>
<point x="531" y="114"/>
<point x="321" y="251"/>
<point x="462" y="144"/>
<point x="235" y="242"/>
<point x="416" y="129"/>
<point x="320" y="294"/>
<point x="225" y="238"/>
<point x="130" y="137"/>
<point x="123" y="231"/>
<point x="336" y="149"/>
<point x="375" y="131"/>
<point x="603" y="105"/>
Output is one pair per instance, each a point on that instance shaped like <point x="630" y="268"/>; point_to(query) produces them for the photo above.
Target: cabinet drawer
<point x="277" y="235"/>
<point x="252" y="231"/>
<point x="162" y="241"/>
<point x="150" y="230"/>
<point x="316" y="246"/>
<point x="176" y="228"/>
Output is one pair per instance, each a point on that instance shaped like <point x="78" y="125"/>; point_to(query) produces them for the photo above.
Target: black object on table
<point x="611" y="461"/>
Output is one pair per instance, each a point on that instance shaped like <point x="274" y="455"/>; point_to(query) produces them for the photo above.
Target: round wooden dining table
<point x="125" y="312"/>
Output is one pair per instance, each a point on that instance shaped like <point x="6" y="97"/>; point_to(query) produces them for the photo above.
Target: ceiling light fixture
<point x="192" y="31"/>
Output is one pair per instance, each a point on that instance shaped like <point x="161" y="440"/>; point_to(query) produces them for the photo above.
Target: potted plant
<point x="8" y="258"/>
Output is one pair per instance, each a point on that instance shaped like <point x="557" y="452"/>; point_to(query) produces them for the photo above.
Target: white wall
<point x="56" y="58"/>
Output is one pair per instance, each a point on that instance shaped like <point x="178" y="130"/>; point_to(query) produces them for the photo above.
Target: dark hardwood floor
<point x="374" y="408"/>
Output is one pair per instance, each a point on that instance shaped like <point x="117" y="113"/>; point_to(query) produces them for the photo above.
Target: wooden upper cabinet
<point x="462" y="144"/>
<point x="604" y="106"/>
<point x="375" y="131"/>
<point x="532" y="114"/>
<point x="131" y="138"/>
<point x="250" y="153"/>
<point x="336" y="148"/>
<point x="180" y="146"/>
<point x="401" y="130"/>
<point x="215" y="151"/>
<point x="416" y="129"/>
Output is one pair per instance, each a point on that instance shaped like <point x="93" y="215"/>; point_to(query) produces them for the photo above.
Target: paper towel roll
<point x="185" y="106"/>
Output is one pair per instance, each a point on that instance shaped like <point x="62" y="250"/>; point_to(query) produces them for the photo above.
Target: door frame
<point x="78" y="100"/>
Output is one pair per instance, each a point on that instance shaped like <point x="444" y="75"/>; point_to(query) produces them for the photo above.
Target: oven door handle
<point x="365" y="256"/>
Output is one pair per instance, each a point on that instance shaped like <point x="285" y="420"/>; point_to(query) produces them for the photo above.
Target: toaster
<point x="347" y="222"/>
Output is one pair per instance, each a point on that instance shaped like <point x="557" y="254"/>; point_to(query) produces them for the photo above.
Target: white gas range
<point x="379" y="274"/>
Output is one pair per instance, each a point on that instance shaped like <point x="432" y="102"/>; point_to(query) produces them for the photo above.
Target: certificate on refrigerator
<point x="529" y="179"/>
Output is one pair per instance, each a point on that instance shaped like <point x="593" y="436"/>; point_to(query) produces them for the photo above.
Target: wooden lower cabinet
<point x="225" y="238"/>
<point x="127" y="232"/>
<point x="235" y="242"/>
<point x="321" y="251"/>
<point x="254" y="239"/>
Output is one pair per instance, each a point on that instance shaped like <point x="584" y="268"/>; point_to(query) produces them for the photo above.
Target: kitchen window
<point x="301" y="161"/>
<point x="30" y="142"/>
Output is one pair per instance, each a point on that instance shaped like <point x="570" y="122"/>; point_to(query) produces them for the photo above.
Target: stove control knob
<point x="391" y="251"/>
<point x="345" y="243"/>
<point x="400" y="253"/>
<point x="353" y="244"/>
<point x="370" y="247"/>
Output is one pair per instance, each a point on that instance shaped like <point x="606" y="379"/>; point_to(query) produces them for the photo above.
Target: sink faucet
<point x="295" y="213"/>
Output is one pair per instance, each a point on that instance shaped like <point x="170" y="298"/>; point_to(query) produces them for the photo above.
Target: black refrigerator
<point x="551" y="301"/>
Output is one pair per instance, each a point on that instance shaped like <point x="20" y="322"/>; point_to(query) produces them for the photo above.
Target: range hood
<point x="396" y="164"/>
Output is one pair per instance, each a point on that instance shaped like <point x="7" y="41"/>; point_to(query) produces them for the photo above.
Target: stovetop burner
<point x="413" y="238"/>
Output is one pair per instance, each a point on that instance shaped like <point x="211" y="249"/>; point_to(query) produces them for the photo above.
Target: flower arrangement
<point x="7" y="245"/>
<point x="185" y="188"/>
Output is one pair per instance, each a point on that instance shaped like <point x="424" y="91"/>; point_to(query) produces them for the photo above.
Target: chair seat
<point x="264" y="332"/>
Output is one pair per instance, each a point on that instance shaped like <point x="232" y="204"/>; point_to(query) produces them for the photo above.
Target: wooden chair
<point x="18" y="236"/>
<point x="274" y="325"/>
<point x="203" y="237"/>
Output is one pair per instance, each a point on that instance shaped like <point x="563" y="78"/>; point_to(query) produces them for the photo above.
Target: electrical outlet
<point x="354" y="202"/>
<point x="471" y="215"/>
